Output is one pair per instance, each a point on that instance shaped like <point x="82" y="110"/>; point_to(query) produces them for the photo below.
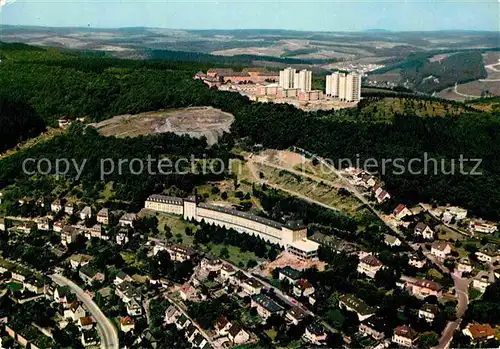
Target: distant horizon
<point x="374" y="30"/>
<point x="316" y="16"/>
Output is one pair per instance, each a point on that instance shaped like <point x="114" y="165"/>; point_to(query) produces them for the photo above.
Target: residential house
<point x="127" y="219"/>
<point x="79" y="260"/>
<point x="85" y="323"/>
<point x="479" y="332"/>
<point x="369" y="265"/>
<point x="122" y="237"/>
<point x="190" y="332"/>
<point x="315" y="333"/>
<point x="69" y="208"/>
<point x="103" y="216"/>
<point x="68" y="235"/>
<point x="75" y="311"/>
<point x="187" y="292"/>
<point x="423" y="230"/>
<point x="121" y="277"/>
<point x="295" y="315"/>
<point x="290" y="274"/>
<point x="20" y="275"/>
<point x="441" y="249"/>
<point x="464" y="265"/>
<point x="127" y="324"/>
<point x="2" y="224"/>
<point x="61" y="294"/>
<point x="422" y="288"/>
<point x="58" y="227"/>
<point x="199" y="341"/>
<point x="401" y="211"/>
<point x="382" y="196"/>
<point x="210" y="263"/>
<point x="482" y="227"/>
<point x="482" y="280"/>
<point x="428" y="312"/>
<point x="35" y="285"/>
<point x="238" y="278"/>
<point x="252" y="286"/>
<point x="373" y="327"/>
<point x="237" y="335"/>
<point x="352" y="303"/>
<point x="405" y="336"/>
<point x="90" y="338"/>
<point x="171" y="314"/>
<point x="303" y="288"/>
<point x="456" y="213"/>
<point x="222" y="325"/>
<point x="134" y="308"/>
<point x="43" y="224"/>
<point x="265" y="306"/>
<point x="415" y="261"/>
<point x="182" y="322"/>
<point x="127" y="292"/>
<point x="227" y="271"/>
<point x="56" y="206"/>
<point x="86" y="213"/>
<point x="391" y="240"/>
<point x="489" y="253"/>
<point x="181" y="253"/>
<point x="90" y="276"/>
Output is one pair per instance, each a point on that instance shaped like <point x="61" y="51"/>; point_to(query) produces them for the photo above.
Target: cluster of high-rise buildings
<point x="344" y="86"/>
<point x="291" y="79"/>
<point x="288" y="85"/>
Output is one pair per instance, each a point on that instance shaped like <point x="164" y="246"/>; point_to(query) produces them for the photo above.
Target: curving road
<point x="108" y="333"/>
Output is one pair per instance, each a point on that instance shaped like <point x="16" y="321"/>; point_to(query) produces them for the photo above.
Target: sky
<point x="317" y="15"/>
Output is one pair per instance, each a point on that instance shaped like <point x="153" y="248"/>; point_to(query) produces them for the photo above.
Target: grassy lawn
<point x="235" y="254"/>
<point x="435" y="274"/>
<point x="473" y="293"/>
<point x="446" y="233"/>
<point x="14" y="286"/>
<point x="271" y="333"/>
<point x="130" y="258"/>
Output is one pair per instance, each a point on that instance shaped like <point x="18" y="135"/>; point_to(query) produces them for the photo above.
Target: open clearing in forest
<point x="193" y="121"/>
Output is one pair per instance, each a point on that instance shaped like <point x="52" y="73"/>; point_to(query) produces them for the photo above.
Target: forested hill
<point x="67" y="84"/>
<point x="18" y="122"/>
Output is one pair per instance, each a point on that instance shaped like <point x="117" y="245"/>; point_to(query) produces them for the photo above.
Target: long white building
<point x="291" y="79"/>
<point x="344" y="86"/>
<point x="291" y="236"/>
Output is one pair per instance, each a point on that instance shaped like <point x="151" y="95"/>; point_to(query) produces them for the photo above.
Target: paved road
<point x="108" y="333"/>
<point x="462" y="291"/>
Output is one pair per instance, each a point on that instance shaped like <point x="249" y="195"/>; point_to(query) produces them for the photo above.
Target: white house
<point x="86" y="213"/>
<point x="441" y="249"/>
<point x="405" y="336"/>
<point x="482" y="227"/>
<point x="369" y="265"/>
<point x="428" y="312"/>
<point x="391" y="241"/>
<point x="423" y="230"/>
<point x="401" y="211"/>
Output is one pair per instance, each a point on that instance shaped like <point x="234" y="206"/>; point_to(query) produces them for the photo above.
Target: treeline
<point x="84" y="147"/>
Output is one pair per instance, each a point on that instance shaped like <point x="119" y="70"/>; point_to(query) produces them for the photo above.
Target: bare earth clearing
<point x="195" y="122"/>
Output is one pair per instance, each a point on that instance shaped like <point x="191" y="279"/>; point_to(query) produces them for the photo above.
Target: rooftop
<point x="405" y="331"/>
<point x="290" y="272"/>
<point x="357" y="304"/>
<point x="267" y="303"/>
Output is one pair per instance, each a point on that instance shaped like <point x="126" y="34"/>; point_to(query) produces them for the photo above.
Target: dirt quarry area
<point x="194" y="121"/>
<point x="286" y="258"/>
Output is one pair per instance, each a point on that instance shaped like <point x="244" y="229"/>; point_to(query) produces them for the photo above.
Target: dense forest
<point x="18" y="122"/>
<point x="67" y="84"/>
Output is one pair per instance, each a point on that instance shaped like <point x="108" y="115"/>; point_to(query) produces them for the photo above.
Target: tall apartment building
<point x="287" y="78"/>
<point x="345" y="86"/>
<point x="303" y="80"/>
<point x="290" y="78"/>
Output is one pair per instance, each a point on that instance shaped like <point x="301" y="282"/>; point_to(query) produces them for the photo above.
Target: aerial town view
<point x="253" y="175"/>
